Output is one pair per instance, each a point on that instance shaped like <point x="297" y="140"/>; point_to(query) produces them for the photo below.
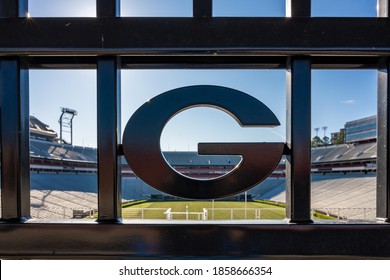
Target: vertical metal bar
<point x="298" y="8"/>
<point x="383" y="138"/>
<point x="9" y="8"/>
<point x="298" y="140"/>
<point x="298" y="165"/>
<point x="383" y="130"/>
<point x="107" y="8"/>
<point x="108" y="124"/>
<point x="14" y="115"/>
<point x="108" y="112"/>
<point x="15" y="125"/>
<point x="202" y="8"/>
<point x="383" y="8"/>
<point x="13" y="8"/>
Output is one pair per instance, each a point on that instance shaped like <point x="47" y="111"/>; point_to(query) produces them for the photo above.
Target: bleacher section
<point x="61" y="204"/>
<point x="351" y="196"/>
<point x="57" y="196"/>
<point x="63" y="177"/>
<point x="346" y="196"/>
<point x="320" y="156"/>
<point x="40" y="130"/>
<point x="58" y="151"/>
<point x="345" y="152"/>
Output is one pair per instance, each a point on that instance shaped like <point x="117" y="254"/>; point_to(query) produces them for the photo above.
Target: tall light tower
<point x="316" y="130"/>
<point x="324" y="128"/>
<point x="66" y="123"/>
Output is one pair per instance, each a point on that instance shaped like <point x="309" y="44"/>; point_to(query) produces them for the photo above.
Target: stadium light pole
<point x="66" y="120"/>
<point x="316" y="130"/>
<point x="324" y="128"/>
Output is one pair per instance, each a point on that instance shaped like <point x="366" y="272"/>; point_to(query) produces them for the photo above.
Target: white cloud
<point x="349" y="101"/>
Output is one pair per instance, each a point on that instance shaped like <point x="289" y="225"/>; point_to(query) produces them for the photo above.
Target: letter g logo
<point x="141" y="142"/>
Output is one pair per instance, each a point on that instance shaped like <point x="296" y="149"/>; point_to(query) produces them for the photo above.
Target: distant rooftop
<point x="40" y="130"/>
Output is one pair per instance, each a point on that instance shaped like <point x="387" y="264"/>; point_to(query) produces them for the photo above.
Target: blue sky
<point x="184" y="8"/>
<point x="188" y="128"/>
<point x="338" y="96"/>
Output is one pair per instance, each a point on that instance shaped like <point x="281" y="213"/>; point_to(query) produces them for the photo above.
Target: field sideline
<point x="194" y="210"/>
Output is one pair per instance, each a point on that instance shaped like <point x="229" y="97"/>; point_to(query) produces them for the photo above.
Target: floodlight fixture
<point x="66" y="123"/>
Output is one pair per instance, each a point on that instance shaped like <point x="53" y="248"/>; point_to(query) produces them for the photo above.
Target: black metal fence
<point x="109" y="43"/>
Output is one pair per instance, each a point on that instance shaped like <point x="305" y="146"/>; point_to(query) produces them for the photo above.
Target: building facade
<point x="361" y="130"/>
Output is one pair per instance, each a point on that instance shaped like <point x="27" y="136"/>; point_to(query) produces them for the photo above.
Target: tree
<point x="325" y="141"/>
<point x="340" y="139"/>
<point x="317" y="141"/>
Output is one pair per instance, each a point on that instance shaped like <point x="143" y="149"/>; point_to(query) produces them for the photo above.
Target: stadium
<point x="50" y="179"/>
<point x="64" y="181"/>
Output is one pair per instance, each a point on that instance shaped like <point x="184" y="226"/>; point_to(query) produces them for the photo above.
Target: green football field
<point x="202" y="210"/>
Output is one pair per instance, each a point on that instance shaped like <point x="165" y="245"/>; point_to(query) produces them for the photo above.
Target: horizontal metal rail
<point x="213" y="240"/>
<point x="209" y="36"/>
